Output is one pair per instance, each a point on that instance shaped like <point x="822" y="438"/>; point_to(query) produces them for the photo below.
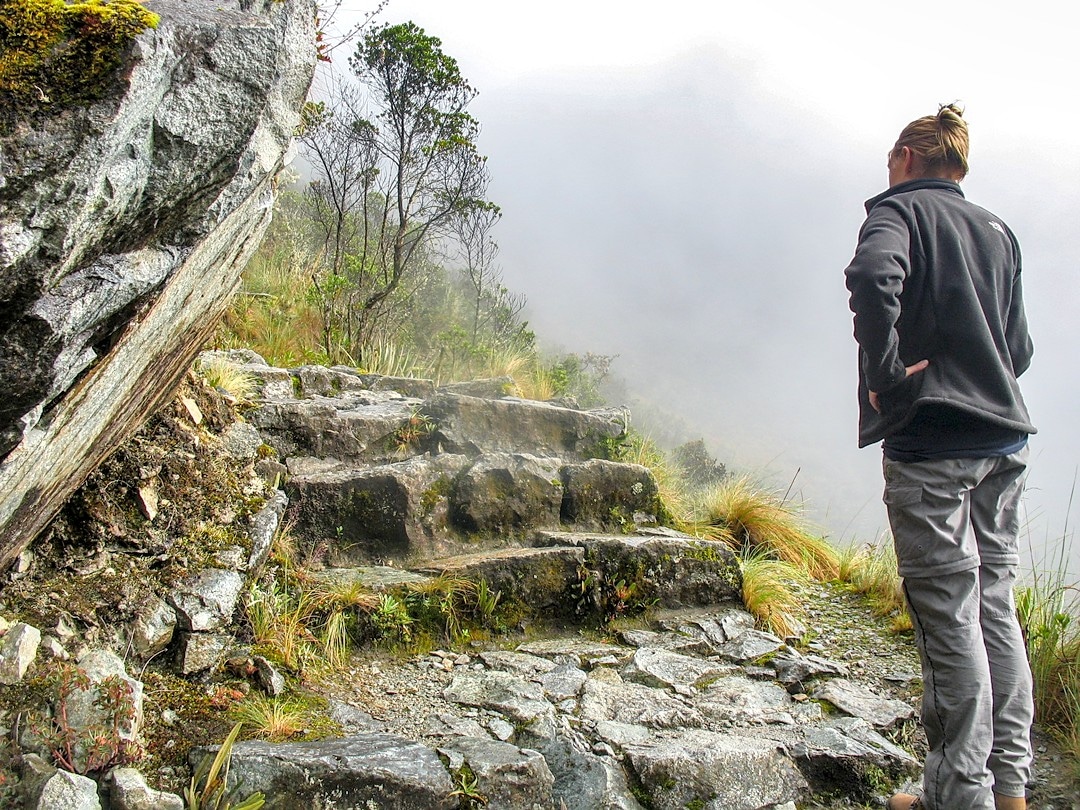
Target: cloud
<point x="689" y="224"/>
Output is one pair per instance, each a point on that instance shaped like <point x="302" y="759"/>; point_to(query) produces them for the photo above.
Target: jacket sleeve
<point x="1016" y="329"/>
<point x="875" y="279"/>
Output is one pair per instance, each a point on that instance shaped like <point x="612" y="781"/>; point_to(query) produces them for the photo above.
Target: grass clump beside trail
<point x="870" y="570"/>
<point x="1048" y="609"/>
<point x="778" y="551"/>
<point x="747" y="517"/>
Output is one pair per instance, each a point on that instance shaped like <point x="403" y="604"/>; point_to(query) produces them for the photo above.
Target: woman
<point x="939" y="319"/>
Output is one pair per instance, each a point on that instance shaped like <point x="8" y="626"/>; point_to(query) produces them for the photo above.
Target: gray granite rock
<point x="473" y="425"/>
<point x="563" y="683"/>
<point x="653" y="666"/>
<point x="242" y="441"/>
<point x="206" y="601"/>
<point x="609" y="495"/>
<point x="720" y="771"/>
<point x="509" y="778"/>
<point x="520" y="700"/>
<point x="736" y="700"/>
<point x="519" y="663"/>
<point x="666" y="571"/>
<point x="18" y="649"/>
<point x="607" y="697"/>
<point x="128" y="791"/>
<point x="749" y="645"/>
<point x="126" y="223"/>
<point x="383" y="769"/>
<point x="859" y="701"/>
<point x="201" y="651"/>
<point x="390" y="511"/>
<point x="507" y="492"/>
<point x="64" y="791"/>
<point x="353" y="720"/>
<point x="152" y="628"/>
<point x="264" y="528"/>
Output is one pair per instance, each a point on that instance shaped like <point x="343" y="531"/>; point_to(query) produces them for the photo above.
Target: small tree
<point x="495" y="310"/>
<point x="429" y="168"/>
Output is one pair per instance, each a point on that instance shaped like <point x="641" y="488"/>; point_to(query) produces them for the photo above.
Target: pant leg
<point x="930" y="514"/>
<point x="995" y="515"/>
<point x="957" y="707"/>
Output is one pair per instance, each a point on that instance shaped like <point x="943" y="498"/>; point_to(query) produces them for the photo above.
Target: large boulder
<point x="124" y="225"/>
<point x="716" y="771"/>
<point x="503" y="493"/>
<point x="368" y="770"/>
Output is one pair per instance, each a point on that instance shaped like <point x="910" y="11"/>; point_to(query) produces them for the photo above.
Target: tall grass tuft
<point x="870" y="569"/>
<point x="274" y="719"/>
<point x="744" y="516"/>
<point x="768" y="594"/>
<point x="1048" y="609"/>
<point x="228" y="377"/>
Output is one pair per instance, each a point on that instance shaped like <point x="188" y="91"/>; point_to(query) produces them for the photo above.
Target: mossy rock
<point x="58" y="53"/>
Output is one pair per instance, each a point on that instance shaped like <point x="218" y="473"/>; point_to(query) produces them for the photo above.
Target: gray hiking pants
<point x="955" y="525"/>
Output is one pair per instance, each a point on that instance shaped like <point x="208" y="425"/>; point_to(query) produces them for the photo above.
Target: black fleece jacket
<point x="936" y="277"/>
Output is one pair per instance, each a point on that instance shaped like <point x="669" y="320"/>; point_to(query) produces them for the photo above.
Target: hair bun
<point x="950" y="112"/>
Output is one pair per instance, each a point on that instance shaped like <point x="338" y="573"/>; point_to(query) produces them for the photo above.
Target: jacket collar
<point x="915" y="185"/>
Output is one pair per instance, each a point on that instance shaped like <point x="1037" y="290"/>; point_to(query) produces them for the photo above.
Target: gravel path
<point x="405" y="695"/>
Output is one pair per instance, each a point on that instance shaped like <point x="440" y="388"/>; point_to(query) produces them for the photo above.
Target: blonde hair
<point x="939" y="141"/>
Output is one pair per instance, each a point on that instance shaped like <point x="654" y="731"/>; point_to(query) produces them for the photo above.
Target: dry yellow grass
<point x="871" y="570"/>
<point x="273" y="719"/>
<point x="768" y="595"/>
<point x="741" y="514"/>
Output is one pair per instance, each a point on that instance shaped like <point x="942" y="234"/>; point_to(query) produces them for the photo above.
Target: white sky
<point x="682" y="183"/>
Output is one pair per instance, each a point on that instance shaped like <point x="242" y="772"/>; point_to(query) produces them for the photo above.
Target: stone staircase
<point x="392" y="483"/>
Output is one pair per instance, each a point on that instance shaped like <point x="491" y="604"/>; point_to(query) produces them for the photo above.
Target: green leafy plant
<point x="487" y="603"/>
<point x="99" y="746"/>
<point x="411" y="432"/>
<point x="466" y="788"/>
<point x="208" y="789"/>
<point x="390" y="619"/>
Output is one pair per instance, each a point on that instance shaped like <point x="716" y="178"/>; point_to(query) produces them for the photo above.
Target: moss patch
<point x="53" y="52"/>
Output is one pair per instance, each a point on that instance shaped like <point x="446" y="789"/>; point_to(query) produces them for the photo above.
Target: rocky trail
<point x="618" y="667"/>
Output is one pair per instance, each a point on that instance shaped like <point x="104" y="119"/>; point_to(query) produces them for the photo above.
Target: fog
<point x="691" y="207"/>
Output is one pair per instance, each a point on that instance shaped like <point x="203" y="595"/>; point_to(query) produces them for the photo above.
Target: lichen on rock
<point x="54" y="52"/>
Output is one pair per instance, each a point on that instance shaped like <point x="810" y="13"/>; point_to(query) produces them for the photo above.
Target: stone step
<point x="430" y="506"/>
<point x="663" y="568"/>
<point x="341" y="414"/>
<point x="368" y="770"/>
<point x="475" y="425"/>
<point x="545" y="582"/>
<point x="354" y="426"/>
<point x="568" y="578"/>
<point x="366" y="515"/>
<point x="376" y="578"/>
